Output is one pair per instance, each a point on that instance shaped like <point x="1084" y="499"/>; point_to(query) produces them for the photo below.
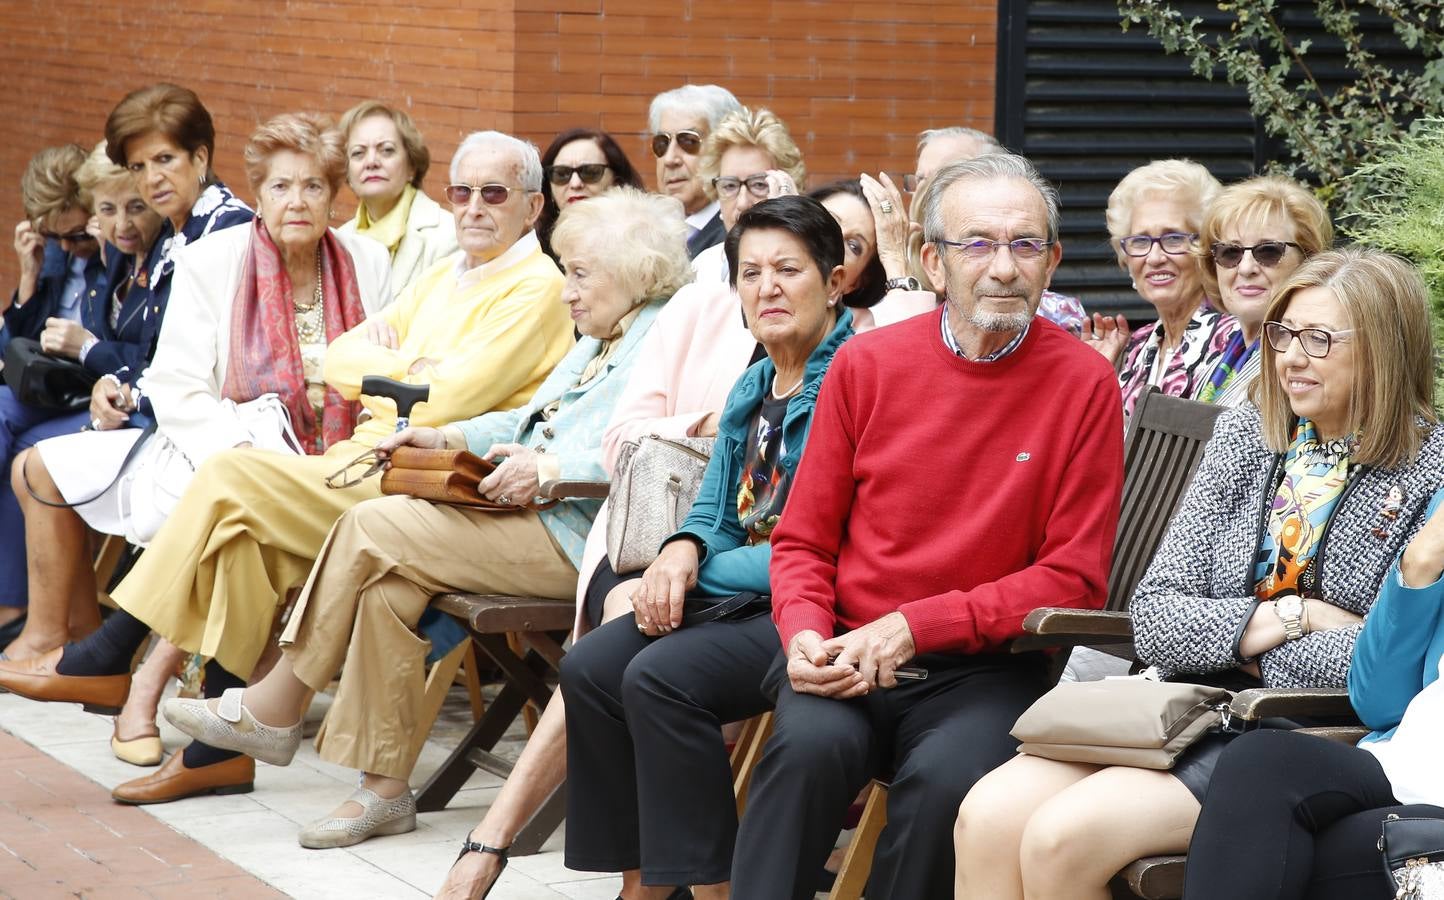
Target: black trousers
<point x="649" y="784"/>
<point x="934" y="739"/>
<point x="1290" y="816"/>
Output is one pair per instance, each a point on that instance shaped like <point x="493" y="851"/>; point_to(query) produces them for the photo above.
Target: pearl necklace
<point x="790" y="391"/>
<point x="310" y="319"/>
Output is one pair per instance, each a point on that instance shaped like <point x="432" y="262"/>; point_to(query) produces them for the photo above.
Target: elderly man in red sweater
<point x="964" y="467"/>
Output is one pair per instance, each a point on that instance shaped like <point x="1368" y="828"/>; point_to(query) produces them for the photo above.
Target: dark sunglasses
<point x="73" y="237"/>
<point x="591" y="173"/>
<point x="1266" y="253"/>
<point x="689" y="141"/>
<point x="491" y="194"/>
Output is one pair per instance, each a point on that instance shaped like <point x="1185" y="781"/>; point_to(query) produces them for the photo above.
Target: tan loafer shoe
<point x="37" y="679"/>
<point x="173" y="781"/>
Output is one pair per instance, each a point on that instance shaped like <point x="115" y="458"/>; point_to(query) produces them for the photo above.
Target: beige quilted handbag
<point x="653" y="488"/>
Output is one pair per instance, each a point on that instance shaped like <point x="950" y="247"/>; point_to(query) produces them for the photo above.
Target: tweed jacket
<point x="574" y="434"/>
<point x="1191" y="607"/>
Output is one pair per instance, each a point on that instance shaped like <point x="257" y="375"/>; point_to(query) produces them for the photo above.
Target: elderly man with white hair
<point x="483" y="328"/>
<point x="679" y="121"/>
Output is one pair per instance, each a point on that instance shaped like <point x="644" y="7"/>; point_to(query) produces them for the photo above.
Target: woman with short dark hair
<point x="646" y="693"/>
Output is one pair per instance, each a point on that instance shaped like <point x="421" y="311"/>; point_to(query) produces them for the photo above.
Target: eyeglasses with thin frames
<point x="491" y="194"/>
<point x="1174" y="243"/>
<point x="729" y="186"/>
<point x="1316" y="342"/>
<point x="356" y="471"/>
<point x="690" y="143"/>
<point x="1266" y="253"/>
<point x="981" y="248"/>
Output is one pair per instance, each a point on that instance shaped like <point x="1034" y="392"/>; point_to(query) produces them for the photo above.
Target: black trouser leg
<point x="649" y="785"/>
<point x="217" y="681"/>
<point x="820" y="755"/>
<point x="603" y="823"/>
<point x="1270" y="797"/>
<point x="949" y="732"/>
<point x="678" y="693"/>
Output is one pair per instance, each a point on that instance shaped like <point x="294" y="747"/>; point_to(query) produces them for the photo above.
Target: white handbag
<point x="653" y="488"/>
<point x="153" y="483"/>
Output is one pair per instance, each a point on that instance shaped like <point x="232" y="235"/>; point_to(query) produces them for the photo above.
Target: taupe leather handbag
<point x="653" y="487"/>
<point x="1121" y="721"/>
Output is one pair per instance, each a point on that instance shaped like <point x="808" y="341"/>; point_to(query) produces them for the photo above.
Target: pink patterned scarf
<point x="265" y="353"/>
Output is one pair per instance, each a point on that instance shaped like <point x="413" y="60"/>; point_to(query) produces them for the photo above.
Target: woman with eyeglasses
<point x="1290" y="526"/>
<point x="1153" y="217"/>
<point x="580" y="164"/>
<point x="1256" y="233"/>
<point x="386" y="162"/>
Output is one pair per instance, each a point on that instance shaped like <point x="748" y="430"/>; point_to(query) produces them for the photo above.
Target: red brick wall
<point x="855" y="81"/>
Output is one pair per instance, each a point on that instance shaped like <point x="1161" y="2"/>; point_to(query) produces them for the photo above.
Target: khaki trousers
<point x="380" y="567"/>
<point x="244" y="533"/>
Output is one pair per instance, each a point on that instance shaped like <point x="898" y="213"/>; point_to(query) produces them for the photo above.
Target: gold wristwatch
<point x="1290" y="611"/>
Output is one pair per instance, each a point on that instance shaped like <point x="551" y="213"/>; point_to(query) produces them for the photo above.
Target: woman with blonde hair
<point x="1295" y="516"/>
<point x="386" y="163"/>
<point x="1154" y="216"/>
<point x="624" y="253"/>
<point x="1256" y="233"/>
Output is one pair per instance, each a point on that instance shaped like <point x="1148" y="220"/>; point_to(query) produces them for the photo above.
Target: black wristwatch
<point x="906" y="282"/>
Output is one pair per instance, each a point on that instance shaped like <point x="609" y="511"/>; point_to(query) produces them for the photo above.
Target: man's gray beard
<point x="1000" y="322"/>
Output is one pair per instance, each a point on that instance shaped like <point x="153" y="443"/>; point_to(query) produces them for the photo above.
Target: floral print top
<point x="1186" y="371"/>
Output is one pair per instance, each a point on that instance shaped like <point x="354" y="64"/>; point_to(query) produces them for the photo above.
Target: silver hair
<point x="986" y="141"/>
<point x="712" y="101"/>
<point x="992" y="166"/>
<point x="528" y="158"/>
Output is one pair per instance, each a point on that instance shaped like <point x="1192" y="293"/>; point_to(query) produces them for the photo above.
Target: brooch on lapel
<point x="1389" y="512"/>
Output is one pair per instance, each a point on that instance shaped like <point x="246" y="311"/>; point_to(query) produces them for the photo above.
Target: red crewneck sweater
<point x="964" y="494"/>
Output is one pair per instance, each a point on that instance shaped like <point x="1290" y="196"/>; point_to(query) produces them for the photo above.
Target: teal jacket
<point x="1397" y="653"/>
<point x="574" y="434"/>
<point x="729" y="565"/>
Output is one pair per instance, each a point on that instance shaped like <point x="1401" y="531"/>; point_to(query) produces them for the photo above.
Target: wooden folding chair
<point x="1165" y="444"/>
<point x="538" y="626"/>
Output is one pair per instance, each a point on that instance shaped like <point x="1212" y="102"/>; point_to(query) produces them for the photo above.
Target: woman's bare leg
<point x="1077" y="841"/>
<point x="137" y="717"/>
<point x="988" y="836"/>
<point x="62" y="580"/>
<point x="539" y="770"/>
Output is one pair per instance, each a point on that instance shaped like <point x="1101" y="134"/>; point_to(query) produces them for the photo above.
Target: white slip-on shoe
<point x="232" y="727"/>
<point x="378" y="816"/>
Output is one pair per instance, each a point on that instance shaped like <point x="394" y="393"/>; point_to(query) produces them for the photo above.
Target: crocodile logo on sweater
<point x="1024" y="456"/>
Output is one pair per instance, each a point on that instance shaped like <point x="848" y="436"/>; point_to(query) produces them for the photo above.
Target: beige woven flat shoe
<point x="232" y="727"/>
<point x="378" y="816"/>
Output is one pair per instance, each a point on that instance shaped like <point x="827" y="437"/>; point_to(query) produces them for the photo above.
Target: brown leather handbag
<point x="441" y="476"/>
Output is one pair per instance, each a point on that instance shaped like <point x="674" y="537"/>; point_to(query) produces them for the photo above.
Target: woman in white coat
<point x="238" y="363"/>
<point x="386" y="160"/>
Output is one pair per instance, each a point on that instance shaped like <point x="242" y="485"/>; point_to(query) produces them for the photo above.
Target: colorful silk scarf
<point x="265" y="353"/>
<point x="1236" y="355"/>
<point x="1186" y="370"/>
<point x="1314" y="477"/>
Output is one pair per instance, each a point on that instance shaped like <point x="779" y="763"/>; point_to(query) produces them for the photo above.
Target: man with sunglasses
<point x="679" y="120"/>
<point x="60" y="262"/>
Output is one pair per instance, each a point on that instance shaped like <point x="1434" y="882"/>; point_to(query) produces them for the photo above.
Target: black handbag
<point x="736" y="608"/>
<point x="44" y="381"/>
<point x="1413" y="851"/>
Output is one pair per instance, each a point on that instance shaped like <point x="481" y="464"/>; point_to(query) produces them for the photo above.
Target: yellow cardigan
<point x="493" y="332"/>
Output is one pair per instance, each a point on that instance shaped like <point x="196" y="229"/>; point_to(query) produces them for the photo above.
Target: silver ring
<point x="642" y="628"/>
<point x="504" y="500"/>
<point x="885" y="206"/>
<point x="94" y="424"/>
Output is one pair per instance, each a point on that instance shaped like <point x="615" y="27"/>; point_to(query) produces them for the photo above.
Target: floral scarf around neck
<point x="265" y="352"/>
<point x="1236" y="355"/>
<point x="1315" y="474"/>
